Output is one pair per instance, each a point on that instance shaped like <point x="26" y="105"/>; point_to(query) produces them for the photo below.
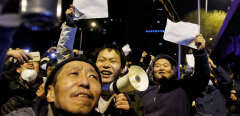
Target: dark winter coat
<point x="173" y="97"/>
<point x="212" y="99"/>
<point x="14" y="93"/>
<point x="40" y="108"/>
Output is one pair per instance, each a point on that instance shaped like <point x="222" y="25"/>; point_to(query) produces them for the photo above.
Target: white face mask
<point x="44" y="66"/>
<point x="29" y="75"/>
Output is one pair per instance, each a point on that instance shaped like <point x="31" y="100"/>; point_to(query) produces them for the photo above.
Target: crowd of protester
<point x="75" y="84"/>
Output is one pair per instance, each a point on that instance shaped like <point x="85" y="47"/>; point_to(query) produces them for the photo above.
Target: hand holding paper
<point x="181" y="33"/>
<point x="70" y="16"/>
<point x="200" y="42"/>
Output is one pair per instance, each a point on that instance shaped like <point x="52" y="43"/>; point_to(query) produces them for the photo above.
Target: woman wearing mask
<point x="19" y="82"/>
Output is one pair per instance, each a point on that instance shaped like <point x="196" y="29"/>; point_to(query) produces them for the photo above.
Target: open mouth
<point x="104" y="72"/>
<point x="161" y="72"/>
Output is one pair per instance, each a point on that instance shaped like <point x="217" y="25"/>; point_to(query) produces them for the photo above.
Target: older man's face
<point x="77" y="88"/>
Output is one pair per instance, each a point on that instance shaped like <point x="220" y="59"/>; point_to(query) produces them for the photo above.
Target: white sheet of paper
<point x="181" y="33"/>
<point x="91" y="9"/>
<point x="126" y="49"/>
<point x="190" y="60"/>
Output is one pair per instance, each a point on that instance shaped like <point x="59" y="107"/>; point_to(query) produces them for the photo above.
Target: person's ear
<point x="51" y="94"/>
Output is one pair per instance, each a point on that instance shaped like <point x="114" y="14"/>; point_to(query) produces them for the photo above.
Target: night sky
<point x="127" y="22"/>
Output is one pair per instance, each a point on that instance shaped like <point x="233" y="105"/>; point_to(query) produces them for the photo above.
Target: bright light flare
<point x="24" y="5"/>
<point x="93" y="24"/>
<point x="59" y="8"/>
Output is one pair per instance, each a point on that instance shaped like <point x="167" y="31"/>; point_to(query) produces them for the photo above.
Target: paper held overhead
<point x="181" y="33"/>
<point x="90" y="9"/>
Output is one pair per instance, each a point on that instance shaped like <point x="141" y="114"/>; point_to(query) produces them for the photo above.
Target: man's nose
<point x="161" y="68"/>
<point x="83" y="81"/>
<point x="106" y="64"/>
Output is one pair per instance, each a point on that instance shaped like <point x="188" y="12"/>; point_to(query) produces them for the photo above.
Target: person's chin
<point x="81" y="109"/>
<point x="81" y="112"/>
<point x="107" y="80"/>
<point x="76" y="110"/>
<point x="161" y="78"/>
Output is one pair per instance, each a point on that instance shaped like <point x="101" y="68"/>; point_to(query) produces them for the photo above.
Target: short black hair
<point x="117" y="49"/>
<point x="51" y="80"/>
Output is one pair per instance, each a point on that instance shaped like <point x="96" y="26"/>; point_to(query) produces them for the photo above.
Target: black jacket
<point x="40" y="108"/>
<point x="212" y="100"/>
<point x="15" y="94"/>
<point x="173" y="97"/>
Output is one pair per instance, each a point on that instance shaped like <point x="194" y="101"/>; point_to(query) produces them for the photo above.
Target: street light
<point x="93" y="24"/>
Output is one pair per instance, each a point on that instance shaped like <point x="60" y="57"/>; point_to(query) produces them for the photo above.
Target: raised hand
<point x="200" y="42"/>
<point x="19" y="54"/>
<point x="69" y="16"/>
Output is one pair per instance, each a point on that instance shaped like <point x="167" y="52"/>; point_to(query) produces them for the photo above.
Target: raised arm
<point x="201" y="76"/>
<point x="67" y="37"/>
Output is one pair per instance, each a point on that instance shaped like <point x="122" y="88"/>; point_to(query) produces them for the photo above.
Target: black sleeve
<point x="6" y="41"/>
<point x="224" y="81"/>
<point x="196" y="84"/>
<point x="119" y="112"/>
<point x="131" y="112"/>
<point x="136" y="105"/>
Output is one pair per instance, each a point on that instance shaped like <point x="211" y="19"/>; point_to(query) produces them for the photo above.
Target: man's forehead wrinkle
<point x="80" y="66"/>
<point x="74" y="66"/>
